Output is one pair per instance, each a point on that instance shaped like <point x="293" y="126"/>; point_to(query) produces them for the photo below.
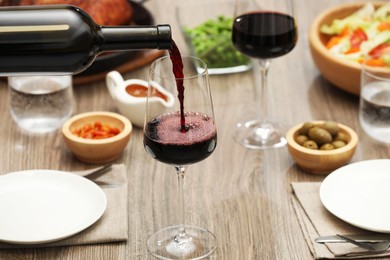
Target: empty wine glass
<point x="180" y="136"/>
<point x="263" y="30"/>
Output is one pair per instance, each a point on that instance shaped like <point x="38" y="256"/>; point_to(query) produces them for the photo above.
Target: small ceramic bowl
<point x="342" y="73"/>
<point x="131" y="106"/>
<point x="97" y="150"/>
<point x="321" y="161"/>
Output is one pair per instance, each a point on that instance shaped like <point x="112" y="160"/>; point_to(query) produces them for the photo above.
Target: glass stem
<point x="262" y="89"/>
<point x="181" y="170"/>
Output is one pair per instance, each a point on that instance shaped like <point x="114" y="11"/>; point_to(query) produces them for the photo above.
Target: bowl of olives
<point x="320" y="147"/>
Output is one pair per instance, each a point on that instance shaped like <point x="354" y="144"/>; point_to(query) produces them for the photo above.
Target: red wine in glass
<point x="167" y="143"/>
<point x="196" y="137"/>
<point x="264" y="35"/>
<point x="263" y="30"/>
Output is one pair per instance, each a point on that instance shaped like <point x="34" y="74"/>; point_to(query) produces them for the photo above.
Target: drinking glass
<point x="180" y="136"/>
<point x="374" y="109"/>
<point x="40" y="104"/>
<point x="263" y="30"/>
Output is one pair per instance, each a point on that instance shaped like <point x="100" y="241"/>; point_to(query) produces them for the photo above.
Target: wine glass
<point x="181" y="135"/>
<point x="263" y="30"/>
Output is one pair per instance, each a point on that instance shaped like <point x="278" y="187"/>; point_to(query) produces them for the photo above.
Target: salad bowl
<point x="339" y="65"/>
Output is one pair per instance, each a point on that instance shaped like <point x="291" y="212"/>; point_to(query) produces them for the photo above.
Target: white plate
<point x="40" y="206"/>
<point x="359" y="194"/>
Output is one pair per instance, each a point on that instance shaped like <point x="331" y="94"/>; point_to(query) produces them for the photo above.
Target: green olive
<point x="310" y="144"/>
<point x="320" y="135"/>
<point x="304" y="130"/>
<point x="300" y="139"/>
<point x="330" y="126"/>
<point x="338" y="143"/>
<point x="325" y="136"/>
<point x="340" y="136"/>
<point x="327" y="147"/>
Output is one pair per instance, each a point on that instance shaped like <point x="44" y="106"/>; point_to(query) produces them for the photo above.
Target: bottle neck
<point x="134" y="37"/>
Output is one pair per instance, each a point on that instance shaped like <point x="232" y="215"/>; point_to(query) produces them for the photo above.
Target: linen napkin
<point x="315" y="220"/>
<point x="112" y="226"/>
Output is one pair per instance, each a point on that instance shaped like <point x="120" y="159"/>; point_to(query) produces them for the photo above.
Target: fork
<point x="98" y="172"/>
<point x="95" y="174"/>
<point x="375" y="247"/>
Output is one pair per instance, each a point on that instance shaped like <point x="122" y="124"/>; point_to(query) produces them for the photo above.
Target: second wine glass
<point x="263" y="30"/>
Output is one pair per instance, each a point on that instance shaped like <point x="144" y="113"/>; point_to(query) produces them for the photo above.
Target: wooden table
<point x="242" y="196"/>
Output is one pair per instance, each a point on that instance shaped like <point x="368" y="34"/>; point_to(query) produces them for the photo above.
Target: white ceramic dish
<point x="134" y="107"/>
<point x="358" y="194"/>
<point x="40" y="206"/>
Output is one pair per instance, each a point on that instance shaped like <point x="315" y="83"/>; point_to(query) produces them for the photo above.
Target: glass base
<point x="261" y="136"/>
<point x="169" y="243"/>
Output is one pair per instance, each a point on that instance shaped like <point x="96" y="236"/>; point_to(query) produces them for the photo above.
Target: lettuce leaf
<point x="382" y="13"/>
<point x="361" y="18"/>
<point x="371" y="43"/>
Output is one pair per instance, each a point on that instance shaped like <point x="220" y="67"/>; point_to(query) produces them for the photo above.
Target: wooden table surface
<point x="243" y="196"/>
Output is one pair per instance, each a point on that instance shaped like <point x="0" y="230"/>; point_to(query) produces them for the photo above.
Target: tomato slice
<point x="358" y="36"/>
<point x="380" y="50"/>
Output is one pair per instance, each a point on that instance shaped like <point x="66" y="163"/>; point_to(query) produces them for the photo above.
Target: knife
<point x="373" y="238"/>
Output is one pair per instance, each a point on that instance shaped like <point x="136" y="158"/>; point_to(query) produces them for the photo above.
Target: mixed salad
<point x="211" y="41"/>
<point x="362" y="36"/>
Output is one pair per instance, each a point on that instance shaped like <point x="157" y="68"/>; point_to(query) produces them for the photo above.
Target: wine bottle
<point x="63" y="39"/>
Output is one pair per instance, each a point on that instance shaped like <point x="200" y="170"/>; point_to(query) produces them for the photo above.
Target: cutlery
<point x="373" y="238"/>
<point x="105" y="185"/>
<point x="93" y="175"/>
<point x="375" y="247"/>
<point x="98" y="172"/>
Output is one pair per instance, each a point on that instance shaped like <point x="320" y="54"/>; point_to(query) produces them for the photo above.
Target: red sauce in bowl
<point x="137" y="90"/>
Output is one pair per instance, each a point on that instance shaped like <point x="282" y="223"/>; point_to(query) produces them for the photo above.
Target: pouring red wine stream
<point x="177" y="64"/>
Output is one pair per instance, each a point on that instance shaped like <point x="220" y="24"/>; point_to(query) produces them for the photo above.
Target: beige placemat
<point x="316" y="221"/>
<point x="113" y="225"/>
